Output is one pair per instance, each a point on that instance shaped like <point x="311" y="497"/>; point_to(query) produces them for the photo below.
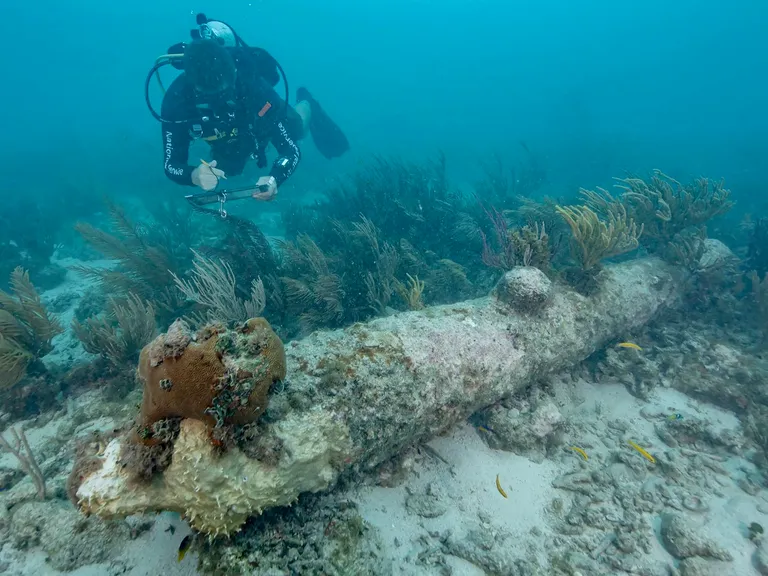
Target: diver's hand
<point x="269" y="192"/>
<point x="206" y="176"/>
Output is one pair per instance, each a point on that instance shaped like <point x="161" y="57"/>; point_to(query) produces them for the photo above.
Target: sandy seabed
<point x="451" y="486"/>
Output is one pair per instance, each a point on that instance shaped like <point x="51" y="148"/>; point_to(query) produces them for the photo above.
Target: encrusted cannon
<point x="356" y="397"/>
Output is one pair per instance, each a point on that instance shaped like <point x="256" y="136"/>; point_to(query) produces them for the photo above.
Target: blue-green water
<point x="519" y="155"/>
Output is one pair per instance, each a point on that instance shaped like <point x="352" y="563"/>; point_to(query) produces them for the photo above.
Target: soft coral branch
<point x="505" y="258"/>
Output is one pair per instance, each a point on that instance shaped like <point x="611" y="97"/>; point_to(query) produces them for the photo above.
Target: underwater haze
<point x="597" y="86"/>
<point x="487" y="297"/>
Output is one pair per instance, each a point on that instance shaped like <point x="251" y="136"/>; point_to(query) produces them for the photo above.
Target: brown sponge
<point x="218" y="376"/>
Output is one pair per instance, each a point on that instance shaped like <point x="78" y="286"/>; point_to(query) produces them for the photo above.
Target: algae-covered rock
<point x="715" y="255"/>
<point x="325" y="534"/>
<point x="532" y="433"/>
<point x="430" y="503"/>
<point x="69" y="539"/>
<point x="639" y="373"/>
<point x="524" y="288"/>
<point x="493" y="550"/>
<point x="685" y="538"/>
<point x="9" y="477"/>
<point x="702" y="567"/>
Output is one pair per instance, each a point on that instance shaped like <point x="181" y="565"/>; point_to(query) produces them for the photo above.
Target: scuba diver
<point x="226" y="96"/>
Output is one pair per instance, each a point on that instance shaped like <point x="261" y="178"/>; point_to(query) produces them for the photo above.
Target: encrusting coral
<point x="197" y="384"/>
<point x="217" y="492"/>
<point x="217" y="376"/>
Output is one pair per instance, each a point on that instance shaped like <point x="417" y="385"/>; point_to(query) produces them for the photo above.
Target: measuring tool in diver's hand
<point x="221" y="197"/>
<point x="217" y="196"/>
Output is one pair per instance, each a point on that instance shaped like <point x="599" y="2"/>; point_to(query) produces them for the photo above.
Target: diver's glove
<point x="266" y="189"/>
<point x="206" y="176"/>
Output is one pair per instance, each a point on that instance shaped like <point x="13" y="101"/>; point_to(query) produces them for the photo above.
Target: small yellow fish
<point x="631" y="345"/>
<point x="643" y="452"/>
<point x="580" y="451"/>
<point x="499" y="488"/>
<point x="184" y="547"/>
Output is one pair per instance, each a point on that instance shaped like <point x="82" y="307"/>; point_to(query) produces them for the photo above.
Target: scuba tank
<point x="268" y="67"/>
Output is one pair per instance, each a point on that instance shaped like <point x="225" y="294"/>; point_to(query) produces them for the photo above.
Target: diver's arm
<point x="288" y="151"/>
<point x="272" y="111"/>
<point x="176" y="141"/>
<point x="175" y="132"/>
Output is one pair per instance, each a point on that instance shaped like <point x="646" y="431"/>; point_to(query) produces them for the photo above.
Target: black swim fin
<point x="327" y="136"/>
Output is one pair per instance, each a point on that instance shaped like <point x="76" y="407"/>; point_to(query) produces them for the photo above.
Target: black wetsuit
<point x="236" y="129"/>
